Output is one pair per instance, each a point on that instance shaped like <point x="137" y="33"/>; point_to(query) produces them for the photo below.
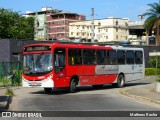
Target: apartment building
<point x="105" y="30"/>
<point x="58" y="24"/>
<point x="53" y="24"/>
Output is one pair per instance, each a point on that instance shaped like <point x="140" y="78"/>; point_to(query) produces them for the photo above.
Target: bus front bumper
<point x="45" y="83"/>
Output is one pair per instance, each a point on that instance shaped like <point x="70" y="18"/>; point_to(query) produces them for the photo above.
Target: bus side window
<point x="89" y="57"/>
<point x="59" y="59"/>
<point x="112" y="59"/>
<point x="138" y="57"/>
<point x="121" y="57"/>
<point x="74" y="57"/>
<point x="101" y="57"/>
<point x="130" y="57"/>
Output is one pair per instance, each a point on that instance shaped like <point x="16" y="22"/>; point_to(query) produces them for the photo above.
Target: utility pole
<point x="92" y="39"/>
<point x="36" y="24"/>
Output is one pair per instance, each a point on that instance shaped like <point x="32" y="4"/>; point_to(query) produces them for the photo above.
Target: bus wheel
<point x="97" y="86"/>
<point x="73" y="85"/>
<point x="120" y="81"/>
<point x="47" y="90"/>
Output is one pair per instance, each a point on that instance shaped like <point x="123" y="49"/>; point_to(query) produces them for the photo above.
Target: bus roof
<point x="83" y="45"/>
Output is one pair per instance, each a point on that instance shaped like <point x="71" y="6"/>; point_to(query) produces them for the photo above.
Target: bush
<point x="9" y="92"/>
<point x="152" y="71"/>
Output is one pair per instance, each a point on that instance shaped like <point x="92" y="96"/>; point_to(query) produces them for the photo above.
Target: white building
<point x="105" y="30"/>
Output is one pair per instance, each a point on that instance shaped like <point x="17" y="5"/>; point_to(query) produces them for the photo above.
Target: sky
<point x="102" y="8"/>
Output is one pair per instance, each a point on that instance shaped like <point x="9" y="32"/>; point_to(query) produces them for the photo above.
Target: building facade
<point x="58" y="24"/>
<point x="137" y="33"/>
<point x="105" y="30"/>
<point x="53" y="24"/>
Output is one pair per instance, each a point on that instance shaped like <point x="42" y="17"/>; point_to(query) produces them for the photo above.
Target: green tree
<point x="15" y="26"/>
<point x="152" y="22"/>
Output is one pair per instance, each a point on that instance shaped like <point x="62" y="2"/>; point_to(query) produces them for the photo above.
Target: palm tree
<point x="152" y="23"/>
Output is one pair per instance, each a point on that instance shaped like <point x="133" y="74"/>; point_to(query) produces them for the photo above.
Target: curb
<point x="139" y="97"/>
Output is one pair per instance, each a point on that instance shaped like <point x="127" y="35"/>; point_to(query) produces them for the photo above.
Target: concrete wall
<point x="4" y="51"/>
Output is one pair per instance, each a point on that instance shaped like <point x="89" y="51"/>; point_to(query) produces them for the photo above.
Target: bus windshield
<point x="37" y="63"/>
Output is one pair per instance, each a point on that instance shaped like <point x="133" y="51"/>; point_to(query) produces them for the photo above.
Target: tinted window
<point x="89" y="57"/>
<point x="138" y="57"/>
<point x="74" y="56"/>
<point x="112" y="59"/>
<point x="121" y="57"/>
<point x="101" y="57"/>
<point x="130" y="57"/>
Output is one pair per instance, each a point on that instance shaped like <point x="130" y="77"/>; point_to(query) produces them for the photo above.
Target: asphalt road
<point x="85" y="99"/>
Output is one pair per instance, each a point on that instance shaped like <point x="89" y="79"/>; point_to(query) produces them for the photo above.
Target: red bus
<point x="59" y="65"/>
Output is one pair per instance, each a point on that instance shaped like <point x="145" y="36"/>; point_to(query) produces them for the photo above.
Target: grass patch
<point x="4" y="82"/>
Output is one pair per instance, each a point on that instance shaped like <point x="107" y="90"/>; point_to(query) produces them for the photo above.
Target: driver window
<point x="59" y="59"/>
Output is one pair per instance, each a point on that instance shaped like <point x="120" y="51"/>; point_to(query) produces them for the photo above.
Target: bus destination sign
<point x="37" y="48"/>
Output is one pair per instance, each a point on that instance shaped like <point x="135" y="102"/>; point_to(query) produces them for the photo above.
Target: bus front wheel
<point x="47" y="90"/>
<point x="73" y="85"/>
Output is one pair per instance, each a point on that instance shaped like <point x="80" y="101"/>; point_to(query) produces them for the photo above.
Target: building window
<point x="116" y="22"/>
<point x="116" y="29"/>
<point x="60" y="34"/>
<point x="60" y="22"/>
<point x="77" y="27"/>
<point x="60" y="28"/>
<point x="71" y="33"/>
<point x="116" y="36"/>
<point x="106" y="30"/>
<point x="106" y="37"/>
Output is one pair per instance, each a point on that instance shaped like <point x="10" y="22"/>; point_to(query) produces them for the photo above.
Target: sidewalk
<point x="4" y="99"/>
<point x="146" y="93"/>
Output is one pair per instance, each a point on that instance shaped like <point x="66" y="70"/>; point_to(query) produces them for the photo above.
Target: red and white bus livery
<point x="59" y="65"/>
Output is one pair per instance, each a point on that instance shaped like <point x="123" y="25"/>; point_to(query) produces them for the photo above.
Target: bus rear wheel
<point x="73" y="85"/>
<point x="47" y="90"/>
<point x="120" y="82"/>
